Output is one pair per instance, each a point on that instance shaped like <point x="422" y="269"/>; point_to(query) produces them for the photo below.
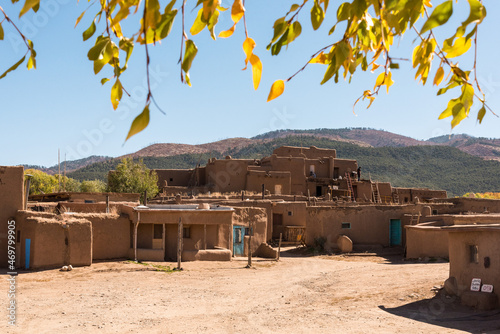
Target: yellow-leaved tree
<point x="370" y="28"/>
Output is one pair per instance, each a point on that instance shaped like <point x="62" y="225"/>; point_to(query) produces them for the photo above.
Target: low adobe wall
<point x="55" y="243"/>
<point x="111" y="237"/>
<point x="426" y="241"/>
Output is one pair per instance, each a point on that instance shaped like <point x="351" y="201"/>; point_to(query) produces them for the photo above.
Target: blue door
<point x="395" y="232"/>
<point x="238" y="240"/>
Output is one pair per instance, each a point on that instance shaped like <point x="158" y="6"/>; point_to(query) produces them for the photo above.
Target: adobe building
<point x="289" y="171"/>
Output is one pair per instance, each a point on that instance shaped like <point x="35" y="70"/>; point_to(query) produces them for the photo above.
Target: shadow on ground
<point x="446" y="312"/>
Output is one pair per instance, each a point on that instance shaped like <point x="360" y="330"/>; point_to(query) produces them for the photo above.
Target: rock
<point x="344" y="243"/>
<point x="450" y="286"/>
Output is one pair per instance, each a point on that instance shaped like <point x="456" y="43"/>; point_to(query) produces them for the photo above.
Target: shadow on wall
<point x="445" y="311"/>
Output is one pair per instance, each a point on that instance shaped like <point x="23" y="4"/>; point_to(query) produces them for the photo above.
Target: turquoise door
<point x="238" y="240"/>
<point x="395" y="232"/>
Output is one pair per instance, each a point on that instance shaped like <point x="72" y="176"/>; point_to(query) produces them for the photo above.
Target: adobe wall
<point x="55" y="243"/>
<point x="111" y="237"/>
<point x="321" y="167"/>
<point x="101" y="197"/>
<point x="11" y="200"/>
<point x="385" y="191"/>
<point x="363" y="191"/>
<point x="311" y="153"/>
<point x="463" y="205"/>
<point x="266" y="205"/>
<point x="369" y="225"/>
<point x="227" y="175"/>
<point x="345" y="166"/>
<point x="174" y="177"/>
<point x="256" y="217"/>
<point x="461" y="266"/>
<point x="426" y="241"/>
<point x="255" y="180"/>
<point x="409" y="195"/>
<point x="296" y="167"/>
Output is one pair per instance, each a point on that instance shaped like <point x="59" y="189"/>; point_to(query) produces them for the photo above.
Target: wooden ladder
<point x="375" y="193"/>
<point x="349" y="188"/>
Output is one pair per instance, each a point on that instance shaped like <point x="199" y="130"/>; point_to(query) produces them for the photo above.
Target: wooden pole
<point x="205" y="236"/>
<point x="279" y="247"/>
<point x="135" y="235"/>
<point x="249" y="265"/>
<point x="107" y="203"/>
<point x="179" y="244"/>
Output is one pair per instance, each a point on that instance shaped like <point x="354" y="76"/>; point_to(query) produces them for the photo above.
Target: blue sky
<point x="62" y="104"/>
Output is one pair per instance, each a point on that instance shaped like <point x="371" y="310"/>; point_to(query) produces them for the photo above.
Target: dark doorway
<point x="277" y="225"/>
<point x="319" y="191"/>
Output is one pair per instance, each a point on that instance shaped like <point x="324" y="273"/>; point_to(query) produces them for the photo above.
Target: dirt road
<point x="299" y="294"/>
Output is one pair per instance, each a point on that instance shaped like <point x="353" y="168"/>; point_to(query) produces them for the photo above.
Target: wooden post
<point x="179" y="244"/>
<point x="107" y="203"/>
<point x="279" y="247"/>
<point x="163" y="241"/>
<point x="135" y="235"/>
<point x="205" y="236"/>
<point x="249" y="265"/>
<point x="263" y="191"/>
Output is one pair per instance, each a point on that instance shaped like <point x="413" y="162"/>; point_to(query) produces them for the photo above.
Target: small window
<point x="158" y="231"/>
<point x="186" y="232"/>
<point x="346" y="225"/>
<point x="473" y="254"/>
<point x="290" y="213"/>
<point x="406" y="199"/>
<point x="434" y="212"/>
<point x="18" y="236"/>
<point x="171" y="179"/>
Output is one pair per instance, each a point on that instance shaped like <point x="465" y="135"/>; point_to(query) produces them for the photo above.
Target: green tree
<point x="43" y="183"/>
<point x="133" y="177"/>
<point x="363" y="36"/>
<point x="94" y="186"/>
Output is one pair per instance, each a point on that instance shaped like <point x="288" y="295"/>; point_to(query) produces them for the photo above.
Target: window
<point x="346" y="225"/>
<point x="290" y="213"/>
<point x="171" y="179"/>
<point x="473" y="254"/>
<point x="186" y="232"/>
<point x="158" y="231"/>
<point x="434" y="212"/>
<point x="237" y="237"/>
<point x="406" y="199"/>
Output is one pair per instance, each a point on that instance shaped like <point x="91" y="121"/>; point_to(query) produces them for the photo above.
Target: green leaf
<point x="293" y="8"/>
<point x="1" y="32"/>
<point x="317" y="15"/>
<point x="477" y="13"/>
<point x="481" y="113"/>
<point x="280" y="27"/>
<point x="439" y="16"/>
<point x="214" y="18"/>
<point x="344" y="12"/>
<point x="170" y="6"/>
<point x="394" y="66"/>
<point x="166" y="23"/>
<point x="29" y="4"/>
<point x="89" y="32"/>
<point x="13" y="67"/>
<point x="126" y="45"/>
<point x="189" y="54"/>
<point x="116" y="93"/>
<point x="139" y="123"/>
<point x="294" y="32"/>
<point x="98" y="49"/>
<point x="104" y="80"/>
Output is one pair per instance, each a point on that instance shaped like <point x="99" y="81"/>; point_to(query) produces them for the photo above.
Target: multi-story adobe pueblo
<point x="305" y="195"/>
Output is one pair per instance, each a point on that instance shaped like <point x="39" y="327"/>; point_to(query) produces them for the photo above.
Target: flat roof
<point x="181" y="207"/>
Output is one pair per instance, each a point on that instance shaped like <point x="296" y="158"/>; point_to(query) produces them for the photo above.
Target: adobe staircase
<point x="349" y="187"/>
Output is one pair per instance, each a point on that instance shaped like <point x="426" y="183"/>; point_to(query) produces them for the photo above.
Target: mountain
<point x="430" y="166"/>
<point x="70" y="165"/>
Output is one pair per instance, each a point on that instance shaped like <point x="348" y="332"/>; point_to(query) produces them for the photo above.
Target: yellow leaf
<point x="256" y="70"/>
<point x="227" y="33"/>
<point x="380" y="80"/>
<point x="116" y="94"/>
<point x="388" y="81"/>
<point x="198" y="24"/>
<point x="321" y="58"/>
<point x="139" y="123"/>
<point x="439" y="76"/>
<point x="237" y="11"/>
<point x="29" y="4"/>
<point x="276" y="90"/>
<point x="248" y="46"/>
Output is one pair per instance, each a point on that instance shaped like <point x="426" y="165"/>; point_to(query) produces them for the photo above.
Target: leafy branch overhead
<point x="363" y="36"/>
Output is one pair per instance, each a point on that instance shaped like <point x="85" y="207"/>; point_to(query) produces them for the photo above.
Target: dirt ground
<point x="359" y="293"/>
